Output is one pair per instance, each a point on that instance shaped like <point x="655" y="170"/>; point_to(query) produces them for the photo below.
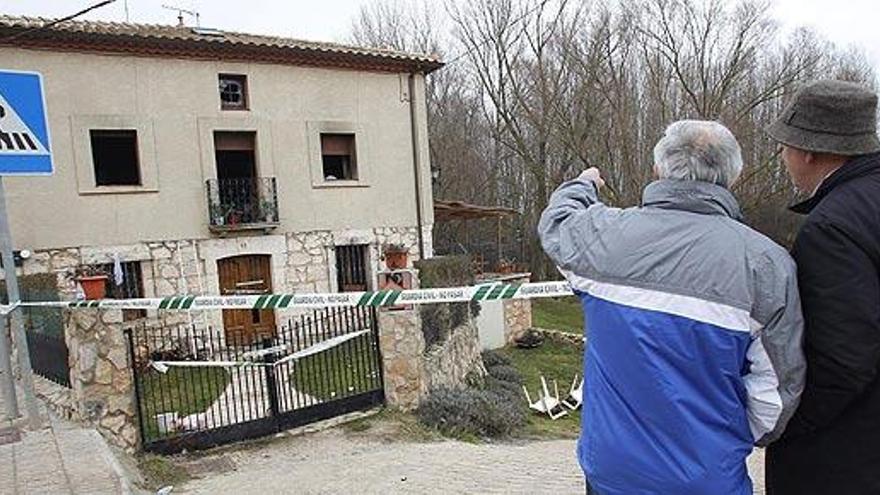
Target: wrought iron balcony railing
<point x="242" y="204"/>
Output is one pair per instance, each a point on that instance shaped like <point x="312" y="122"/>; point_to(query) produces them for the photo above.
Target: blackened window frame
<point x="106" y="162"/>
<point x="349" y="168"/>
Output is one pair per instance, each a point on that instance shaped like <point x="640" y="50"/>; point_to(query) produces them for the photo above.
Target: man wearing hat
<point x="830" y="148"/>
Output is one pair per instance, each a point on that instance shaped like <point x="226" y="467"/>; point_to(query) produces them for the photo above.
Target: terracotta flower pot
<point x="396" y="260"/>
<point x="95" y="287"/>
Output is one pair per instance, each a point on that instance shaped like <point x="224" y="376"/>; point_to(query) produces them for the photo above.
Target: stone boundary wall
<point x="449" y="363"/>
<point x="101" y="378"/>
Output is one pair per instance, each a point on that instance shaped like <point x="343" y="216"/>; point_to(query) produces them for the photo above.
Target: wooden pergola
<point x="459" y="210"/>
<point x="446" y="211"/>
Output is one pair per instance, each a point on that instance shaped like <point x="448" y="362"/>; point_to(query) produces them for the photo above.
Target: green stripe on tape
<point x="497" y="291"/>
<point x="481" y="292"/>
<point x="384" y="302"/>
<point x="163" y="304"/>
<point x="365" y="299"/>
<point x="260" y="301"/>
<point x="273" y="301"/>
<point x="175" y="302"/>
<point x="95" y="304"/>
<point x="393" y="299"/>
<point x="511" y="290"/>
<point x="285" y="300"/>
<point x="383" y="294"/>
<point x="376" y="299"/>
<point x="188" y="302"/>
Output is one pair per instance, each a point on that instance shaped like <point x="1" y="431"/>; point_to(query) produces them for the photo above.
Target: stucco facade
<point x="175" y="107"/>
<point x="173" y="103"/>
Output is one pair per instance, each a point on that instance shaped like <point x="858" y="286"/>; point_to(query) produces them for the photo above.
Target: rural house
<point x="212" y="162"/>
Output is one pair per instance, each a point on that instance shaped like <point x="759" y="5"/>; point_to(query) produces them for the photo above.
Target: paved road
<point x="335" y="462"/>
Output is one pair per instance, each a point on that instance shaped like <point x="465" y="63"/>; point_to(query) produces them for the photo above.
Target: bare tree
<point x="536" y="90"/>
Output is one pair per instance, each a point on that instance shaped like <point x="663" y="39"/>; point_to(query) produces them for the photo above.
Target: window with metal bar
<point x="132" y="286"/>
<point x="351" y="268"/>
<point x="233" y="92"/>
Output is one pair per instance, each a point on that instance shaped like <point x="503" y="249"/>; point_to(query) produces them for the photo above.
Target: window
<point x="233" y="92"/>
<point x="351" y="268"/>
<point x="115" y="157"/>
<point x="132" y="286"/>
<point x="338" y="157"/>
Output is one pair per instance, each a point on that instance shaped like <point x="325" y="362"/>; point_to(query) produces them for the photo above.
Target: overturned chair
<point x="546" y="403"/>
<point x="575" y="397"/>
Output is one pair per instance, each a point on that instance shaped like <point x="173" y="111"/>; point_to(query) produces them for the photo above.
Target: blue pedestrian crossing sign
<point x="24" y="130"/>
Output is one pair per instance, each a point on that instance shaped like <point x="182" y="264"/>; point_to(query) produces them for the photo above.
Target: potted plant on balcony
<point x="218" y="214"/>
<point x="233" y="216"/>
<point x="92" y="279"/>
<point x="267" y="211"/>
<point x="396" y="256"/>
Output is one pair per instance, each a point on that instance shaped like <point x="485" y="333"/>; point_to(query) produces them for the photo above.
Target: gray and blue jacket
<point x="694" y="328"/>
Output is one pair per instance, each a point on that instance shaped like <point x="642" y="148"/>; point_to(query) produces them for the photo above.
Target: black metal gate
<point x="49" y="356"/>
<point x="318" y="366"/>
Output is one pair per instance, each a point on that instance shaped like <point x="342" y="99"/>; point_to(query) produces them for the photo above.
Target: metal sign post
<point x="24" y="150"/>
<point x="15" y="317"/>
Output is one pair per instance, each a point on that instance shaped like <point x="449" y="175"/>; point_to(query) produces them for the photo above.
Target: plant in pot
<point x="506" y="265"/>
<point x="92" y="279"/>
<point x="233" y="216"/>
<point x="396" y="256"/>
<point x="267" y="211"/>
<point x="218" y="214"/>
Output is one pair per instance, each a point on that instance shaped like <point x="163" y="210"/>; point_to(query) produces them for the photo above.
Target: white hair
<point x="698" y="150"/>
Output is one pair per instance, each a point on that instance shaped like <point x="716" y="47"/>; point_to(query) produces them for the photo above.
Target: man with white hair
<point x="693" y="323"/>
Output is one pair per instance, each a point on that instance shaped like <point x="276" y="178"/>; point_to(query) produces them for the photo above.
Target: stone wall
<point x="102" y="387"/>
<point x="449" y="363"/>
<point x="302" y="262"/>
<point x="517" y="318"/>
<point x="402" y="346"/>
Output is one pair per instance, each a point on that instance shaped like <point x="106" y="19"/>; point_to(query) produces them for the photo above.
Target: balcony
<point x="242" y="204"/>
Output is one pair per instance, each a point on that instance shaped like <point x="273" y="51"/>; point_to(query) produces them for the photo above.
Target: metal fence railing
<point x="200" y="406"/>
<point x="241" y="202"/>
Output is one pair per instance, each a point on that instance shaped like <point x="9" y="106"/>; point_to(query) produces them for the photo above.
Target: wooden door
<point x="246" y="275"/>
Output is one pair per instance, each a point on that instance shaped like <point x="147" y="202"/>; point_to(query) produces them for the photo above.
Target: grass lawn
<point x="184" y="390"/>
<point x="347" y="369"/>
<point x="561" y="313"/>
<point x="555" y="361"/>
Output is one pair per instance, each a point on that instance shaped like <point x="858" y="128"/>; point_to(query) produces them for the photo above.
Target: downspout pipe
<point x="417" y="160"/>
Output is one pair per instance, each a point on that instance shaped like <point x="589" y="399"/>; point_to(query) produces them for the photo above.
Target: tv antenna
<point x="180" y="12"/>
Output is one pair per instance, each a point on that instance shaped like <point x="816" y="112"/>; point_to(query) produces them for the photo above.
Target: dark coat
<point x="832" y="444"/>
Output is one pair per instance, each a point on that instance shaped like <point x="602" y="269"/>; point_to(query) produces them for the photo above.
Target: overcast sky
<point x="846" y="22"/>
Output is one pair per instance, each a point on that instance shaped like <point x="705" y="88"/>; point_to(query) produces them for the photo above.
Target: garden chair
<point x="546" y="403"/>
<point x="575" y="394"/>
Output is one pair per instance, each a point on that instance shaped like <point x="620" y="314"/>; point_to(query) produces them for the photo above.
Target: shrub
<point x="494" y="358"/>
<point x="505" y="373"/>
<point x="488" y="412"/>
<point x="510" y="390"/>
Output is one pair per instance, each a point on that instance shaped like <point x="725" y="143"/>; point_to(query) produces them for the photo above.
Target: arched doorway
<point x="246" y="275"/>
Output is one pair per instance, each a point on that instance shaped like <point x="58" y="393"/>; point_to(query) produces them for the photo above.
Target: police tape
<point x="249" y="357"/>
<point x="494" y="291"/>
